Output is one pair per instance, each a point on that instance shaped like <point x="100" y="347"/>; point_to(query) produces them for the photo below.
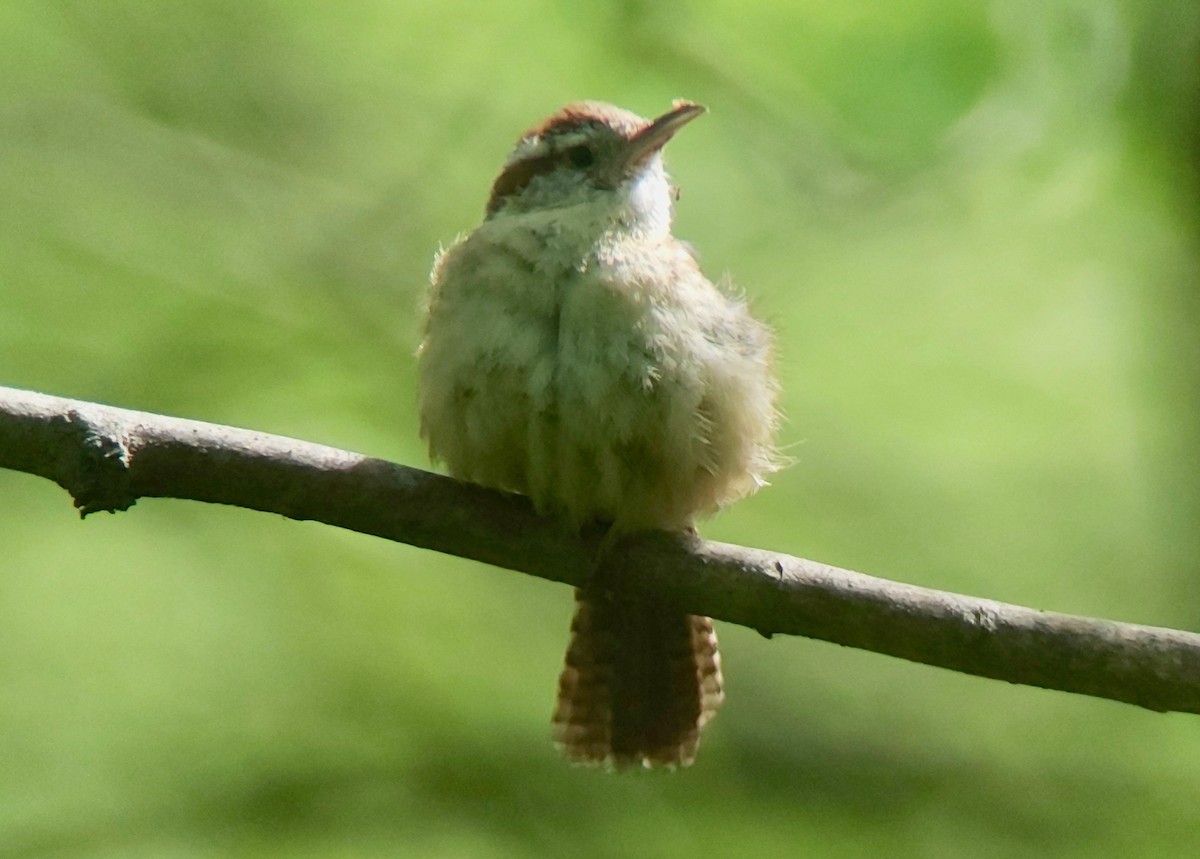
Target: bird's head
<point x="591" y="151"/>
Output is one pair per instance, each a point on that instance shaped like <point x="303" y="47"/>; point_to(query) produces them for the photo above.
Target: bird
<point x="573" y="351"/>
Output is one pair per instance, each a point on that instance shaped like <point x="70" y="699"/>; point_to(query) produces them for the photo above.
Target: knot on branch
<point x="97" y="475"/>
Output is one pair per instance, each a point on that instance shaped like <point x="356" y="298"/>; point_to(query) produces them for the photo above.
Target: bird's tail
<point x="639" y="683"/>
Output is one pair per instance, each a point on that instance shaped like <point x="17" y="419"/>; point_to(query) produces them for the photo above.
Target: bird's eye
<point x="581" y="156"/>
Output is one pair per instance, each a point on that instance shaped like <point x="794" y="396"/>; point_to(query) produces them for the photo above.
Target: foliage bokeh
<point x="975" y="228"/>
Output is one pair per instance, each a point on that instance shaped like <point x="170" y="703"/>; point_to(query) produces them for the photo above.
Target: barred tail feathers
<point x="638" y="684"/>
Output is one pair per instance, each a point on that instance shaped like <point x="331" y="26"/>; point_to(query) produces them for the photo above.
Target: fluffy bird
<point x="574" y="352"/>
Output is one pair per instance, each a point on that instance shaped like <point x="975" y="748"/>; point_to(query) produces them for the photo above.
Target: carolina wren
<point x="573" y="352"/>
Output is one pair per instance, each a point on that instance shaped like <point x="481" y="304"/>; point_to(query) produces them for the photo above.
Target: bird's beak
<point x="654" y="136"/>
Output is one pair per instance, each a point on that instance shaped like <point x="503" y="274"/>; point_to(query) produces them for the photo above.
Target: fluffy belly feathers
<point x="597" y="397"/>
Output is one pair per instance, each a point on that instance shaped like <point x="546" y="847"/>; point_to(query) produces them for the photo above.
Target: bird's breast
<point x="583" y="380"/>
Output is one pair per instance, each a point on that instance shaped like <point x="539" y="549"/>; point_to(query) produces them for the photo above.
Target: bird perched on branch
<point x="573" y="352"/>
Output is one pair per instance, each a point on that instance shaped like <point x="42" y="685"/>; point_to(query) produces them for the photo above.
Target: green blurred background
<point x="975" y="226"/>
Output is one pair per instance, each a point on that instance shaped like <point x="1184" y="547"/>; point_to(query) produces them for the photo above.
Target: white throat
<point x="577" y="217"/>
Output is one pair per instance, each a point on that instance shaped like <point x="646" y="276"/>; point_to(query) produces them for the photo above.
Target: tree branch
<point x="107" y="458"/>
